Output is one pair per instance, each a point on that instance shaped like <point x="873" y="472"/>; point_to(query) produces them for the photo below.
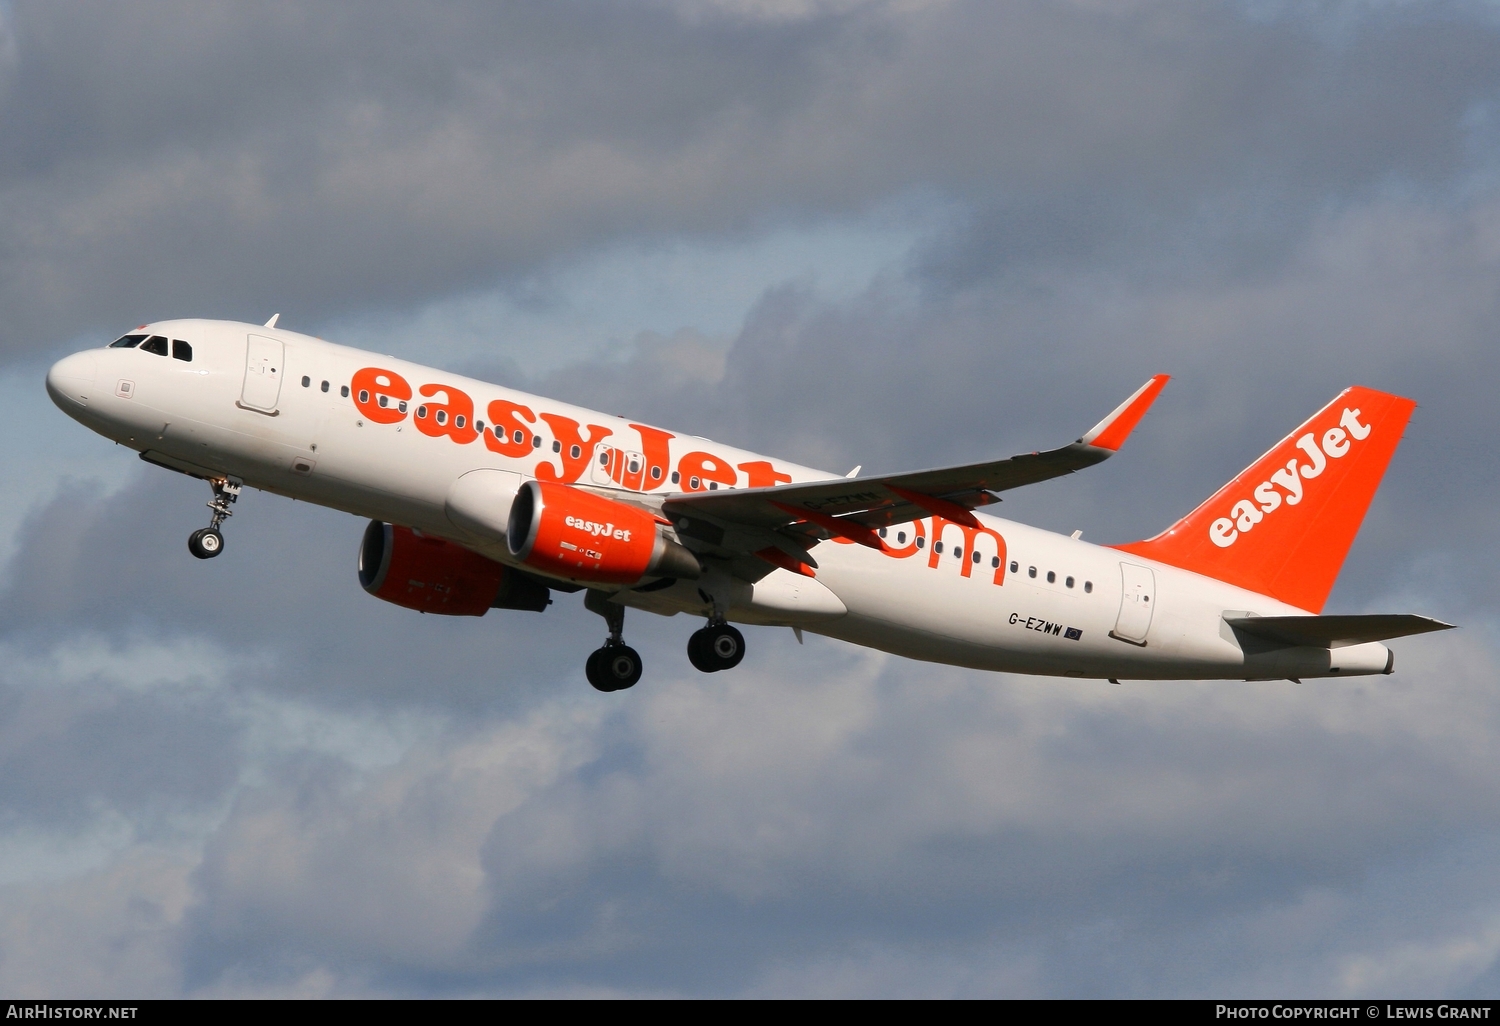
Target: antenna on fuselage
<point x="272" y="322"/>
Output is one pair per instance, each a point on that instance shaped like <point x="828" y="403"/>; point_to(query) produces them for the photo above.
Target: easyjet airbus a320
<point x="483" y="498"/>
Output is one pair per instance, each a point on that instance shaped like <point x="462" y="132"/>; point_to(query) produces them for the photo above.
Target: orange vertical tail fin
<point x="1285" y="524"/>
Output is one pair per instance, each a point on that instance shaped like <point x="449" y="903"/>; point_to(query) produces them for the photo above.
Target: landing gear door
<point x="265" y="366"/>
<point x="1137" y="596"/>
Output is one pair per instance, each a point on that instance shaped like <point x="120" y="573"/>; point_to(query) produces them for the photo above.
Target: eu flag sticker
<point x="1073" y="634"/>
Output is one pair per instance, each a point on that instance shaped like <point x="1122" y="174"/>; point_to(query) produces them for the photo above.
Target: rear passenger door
<point x="1138" y="587"/>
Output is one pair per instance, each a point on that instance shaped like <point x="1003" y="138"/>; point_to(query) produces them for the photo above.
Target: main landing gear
<point x="208" y="542"/>
<point x="616" y="666"/>
<point x="716" y="647"/>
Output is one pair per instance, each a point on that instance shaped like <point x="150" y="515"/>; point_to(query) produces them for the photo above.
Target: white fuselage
<point x="1053" y="604"/>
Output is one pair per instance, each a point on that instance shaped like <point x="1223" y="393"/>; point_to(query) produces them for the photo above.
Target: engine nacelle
<point x="431" y="575"/>
<point x="576" y="534"/>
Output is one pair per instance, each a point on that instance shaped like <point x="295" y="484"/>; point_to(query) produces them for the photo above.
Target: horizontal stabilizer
<point x="1334" y="631"/>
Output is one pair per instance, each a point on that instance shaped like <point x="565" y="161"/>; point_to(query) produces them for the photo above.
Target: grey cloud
<point x="283" y="600"/>
<point x="1395" y="293"/>
<point x="113" y="931"/>
<point x="840" y="803"/>
<point x="822" y="808"/>
<point x="1269" y="209"/>
<point x="225" y="159"/>
<point x="65" y="753"/>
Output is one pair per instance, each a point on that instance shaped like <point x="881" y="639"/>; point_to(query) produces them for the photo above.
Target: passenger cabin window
<point x="306" y="381"/>
<point x="1069" y="582"/>
<point x="155" y="344"/>
<point x="1015" y="567"/>
<point x="1088" y="587"/>
<point x="325" y="386"/>
<point x="128" y="342"/>
<point x="344" y="391"/>
<point x="182" y="351"/>
<point x="1051" y="577"/>
<point x="1031" y="571"/>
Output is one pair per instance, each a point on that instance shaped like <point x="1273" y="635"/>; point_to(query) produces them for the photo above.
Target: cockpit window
<point x="128" y="342"/>
<point x="155" y="344"/>
<point x="182" y="351"/>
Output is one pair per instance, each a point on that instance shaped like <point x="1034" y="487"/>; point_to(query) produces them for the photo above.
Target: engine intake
<point x="576" y="534"/>
<point x="403" y="566"/>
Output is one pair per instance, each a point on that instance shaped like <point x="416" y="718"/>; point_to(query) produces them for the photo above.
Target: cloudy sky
<point x="896" y="234"/>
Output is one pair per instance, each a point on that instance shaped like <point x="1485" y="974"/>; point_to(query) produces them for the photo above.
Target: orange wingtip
<point x="1111" y="432"/>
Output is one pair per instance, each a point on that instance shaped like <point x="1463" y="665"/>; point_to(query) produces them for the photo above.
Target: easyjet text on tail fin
<point x="1285" y="524"/>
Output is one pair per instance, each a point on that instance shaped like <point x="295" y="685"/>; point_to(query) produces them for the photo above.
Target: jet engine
<point x="431" y="575"/>
<point x="585" y="537"/>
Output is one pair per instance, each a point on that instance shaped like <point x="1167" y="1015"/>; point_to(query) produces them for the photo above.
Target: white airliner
<point x="481" y="497"/>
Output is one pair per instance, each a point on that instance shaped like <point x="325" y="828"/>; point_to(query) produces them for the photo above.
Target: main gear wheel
<point x="716" y="647"/>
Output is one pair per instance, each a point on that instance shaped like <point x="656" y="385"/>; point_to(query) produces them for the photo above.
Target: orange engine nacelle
<point x="584" y="537"/>
<point x="431" y="575"/>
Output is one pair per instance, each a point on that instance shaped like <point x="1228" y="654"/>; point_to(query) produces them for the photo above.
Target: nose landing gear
<point x="616" y="666"/>
<point x="208" y="542"/>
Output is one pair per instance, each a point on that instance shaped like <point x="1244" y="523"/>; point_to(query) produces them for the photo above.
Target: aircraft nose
<point x="71" y="379"/>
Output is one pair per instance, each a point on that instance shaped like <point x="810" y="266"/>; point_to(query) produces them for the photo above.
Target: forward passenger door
<point x="265" y="366"/>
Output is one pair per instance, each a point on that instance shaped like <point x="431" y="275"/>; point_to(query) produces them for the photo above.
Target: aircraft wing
<point x="855" y="508"/>
<point x="1335" y="631"/>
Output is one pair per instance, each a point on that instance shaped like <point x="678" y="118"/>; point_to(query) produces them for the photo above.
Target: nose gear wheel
<point x="208" y="542"/>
